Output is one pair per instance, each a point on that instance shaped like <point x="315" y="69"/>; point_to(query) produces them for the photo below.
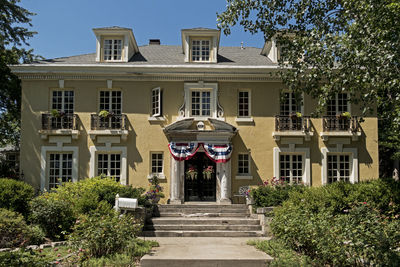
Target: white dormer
<point x="200" y="45"/>
<point x="115" y="44"/>
<point x="272" y="49"/>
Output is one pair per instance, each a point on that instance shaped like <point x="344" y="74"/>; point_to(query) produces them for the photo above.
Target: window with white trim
<point x="111" y="101"/>
<point x="290" y="104"/>
<point x="244" y="164"/>
<point x="112" y="50"/>
<point x="200" y="103"/>
<point x="291" y="168"/>
<point x="157" y="163"/>
<point x="244" y="104"/>
<point x="109" y="164"/>
<point x="339" y="168"/>
<point x="156" y="102"/>
<point x="201" y="50"/>
<point x="63" y="101"/>
<point x="338" y="104"/>
<point x="60" y="169"/>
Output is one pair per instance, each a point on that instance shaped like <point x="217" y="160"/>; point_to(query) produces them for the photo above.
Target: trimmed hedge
<point x="15" y="195"/>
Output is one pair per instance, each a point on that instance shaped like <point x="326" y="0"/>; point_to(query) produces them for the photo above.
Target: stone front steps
<point x="202" y="220"/>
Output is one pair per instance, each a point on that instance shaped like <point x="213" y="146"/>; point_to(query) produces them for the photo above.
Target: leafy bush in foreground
<point x="15" y="195"/>
<point x="25" y="258"/>
<point x="55" y="217"/>
<point x="103" y="232"/>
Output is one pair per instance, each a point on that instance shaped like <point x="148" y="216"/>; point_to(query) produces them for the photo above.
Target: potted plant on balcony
<point x="57" y="114"/>
<point x="192" y="172"/>
<point x="346" y="115"/>
<point x="104" y="113"/>
<point x="207" y="172"/>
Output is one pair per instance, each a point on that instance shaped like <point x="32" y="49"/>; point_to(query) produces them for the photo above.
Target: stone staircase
<point x="202" y="220"/>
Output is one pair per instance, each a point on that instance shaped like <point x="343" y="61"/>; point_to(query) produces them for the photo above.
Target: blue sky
<point x="65" y="26"/>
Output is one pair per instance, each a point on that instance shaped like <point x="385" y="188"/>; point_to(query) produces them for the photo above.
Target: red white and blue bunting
<point x="216" y="152"/>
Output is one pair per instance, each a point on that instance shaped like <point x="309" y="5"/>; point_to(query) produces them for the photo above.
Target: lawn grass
<point x="282" y="255"/>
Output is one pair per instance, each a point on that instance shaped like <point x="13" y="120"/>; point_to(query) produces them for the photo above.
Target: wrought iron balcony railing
<point x="61" y="122"/>
<point x="340" y="123"/>
<point x="292" y="123"/>
<point x="110" y="122"/>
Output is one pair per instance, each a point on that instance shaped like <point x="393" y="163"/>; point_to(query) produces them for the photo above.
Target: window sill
<point x="45" y="133"/>
<point x="155" y="119"/>
<point x="244" y="177"/>
<point x="244" y="120"/>
<point x="160" y="176"/>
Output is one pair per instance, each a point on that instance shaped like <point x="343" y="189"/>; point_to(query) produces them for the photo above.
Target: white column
<point x="225" y="181"/>
<point x="175" y="183"/>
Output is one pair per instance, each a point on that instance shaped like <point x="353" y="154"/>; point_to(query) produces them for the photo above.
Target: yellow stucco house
<point x="205" y="119"/>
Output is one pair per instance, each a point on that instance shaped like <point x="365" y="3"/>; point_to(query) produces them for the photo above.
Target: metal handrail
<point x="62" y="121"/>
<point x="110" y="122"/>
<point x="292" y="123"/>
<point x="340" y="123"/>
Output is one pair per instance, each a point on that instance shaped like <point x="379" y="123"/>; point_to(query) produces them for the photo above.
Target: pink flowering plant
<point x="155" y="191"/>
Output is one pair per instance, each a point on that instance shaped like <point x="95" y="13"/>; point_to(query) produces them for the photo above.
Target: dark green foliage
<point x="103" y="232"/>
<point x="55" y="217"/>
<point x="23" y="258"/>
<point x="268" y="196"/>
<point x="343" y="224"/>
<point x="15" y="195"/>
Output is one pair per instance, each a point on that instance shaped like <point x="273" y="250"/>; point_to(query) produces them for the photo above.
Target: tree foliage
<point x="344" y="45"/>
<point x="13" y="35"/>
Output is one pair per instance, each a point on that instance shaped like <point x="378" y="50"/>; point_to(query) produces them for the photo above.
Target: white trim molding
<point x="305" y="151"/>
<point x="59" y="148"/>
<point x="107" y="149"/>
<point x="339" y="150"/>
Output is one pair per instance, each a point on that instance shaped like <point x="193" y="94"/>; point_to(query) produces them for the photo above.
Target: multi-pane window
<point x="244" y="104"/>
<point x="290" y="104"/>
<point x="338" y="104"/>
<point x="156" y="163"/>
<point x="109" y="164"/>
<point x="63" y="101"/>
<point x="291" y="168"/>
<point x="111" y="101"/>
<point x="243" y="164"/>
<point x="200" y="50"/>
<point x="112" y="49"/>
<point x="201" y="103"/>
<point x="338" y="168"/>
<point x="60" y="169"/>
<point x="156" y="102"/>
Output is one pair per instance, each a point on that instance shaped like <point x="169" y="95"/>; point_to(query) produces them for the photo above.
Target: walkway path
<point x="205" y="252"/>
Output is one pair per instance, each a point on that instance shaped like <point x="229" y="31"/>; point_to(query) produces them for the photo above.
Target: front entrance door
<point x="200" y="186"/>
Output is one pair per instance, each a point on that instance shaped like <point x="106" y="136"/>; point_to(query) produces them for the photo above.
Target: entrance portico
<point x="213" y="140"/>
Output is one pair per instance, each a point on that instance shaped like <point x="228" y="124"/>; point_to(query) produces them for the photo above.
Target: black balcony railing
<point x="110" y="122"/>
<point x="64" y="121"/>
<point x="340" y="123"/>
<point x="292" y="123"/>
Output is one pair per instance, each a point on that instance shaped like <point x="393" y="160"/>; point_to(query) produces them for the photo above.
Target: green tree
<point x="13" y="35"/>
<point x="344" y="45"/>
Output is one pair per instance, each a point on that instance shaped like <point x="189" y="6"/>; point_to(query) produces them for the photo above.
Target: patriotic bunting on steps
<point x="216" y="152"/>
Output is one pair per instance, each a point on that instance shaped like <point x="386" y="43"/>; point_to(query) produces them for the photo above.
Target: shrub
<point x="13" y="229"/>
<point x="15" y="195"/>
<point x="25" y="258"/>
<point x="85" y="195"/>
<point x="273" y="194"/>
<point x="103" y="232"/>
<point x="36" y="235"/>
<point x="55" y="217"/>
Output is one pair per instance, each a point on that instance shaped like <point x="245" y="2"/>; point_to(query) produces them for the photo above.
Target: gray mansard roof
<point x="172" y="55"/>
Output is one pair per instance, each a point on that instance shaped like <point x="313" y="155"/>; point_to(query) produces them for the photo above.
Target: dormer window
<point x="201" y="50"/>
<point x="112" y="50"/>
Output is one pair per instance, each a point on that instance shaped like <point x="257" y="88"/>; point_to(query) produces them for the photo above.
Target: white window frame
<point x="57" y="149"/>
<point x="113" y="39"/>
<point x="337" y="104"/>
<point x="110" y="99"/>
<point x="212" y="87"/>
<point x="249" y="103"/>
<point x="291" y="96"/>
<point x="290" y="177"/>
<point x="62" y="99"/>
<point x="156" y="101"/>
<point x="244" y="176"/>
<point x="108" y="174"/>
<point x="160" y="175"/>
<point x="94" y="150"/>
<point x="60" y="168"/>
<point x="336" y="177"/>
<point x="353" y="152"/>
<point x="200" y="40"/>
<point x="294" y="150"/>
